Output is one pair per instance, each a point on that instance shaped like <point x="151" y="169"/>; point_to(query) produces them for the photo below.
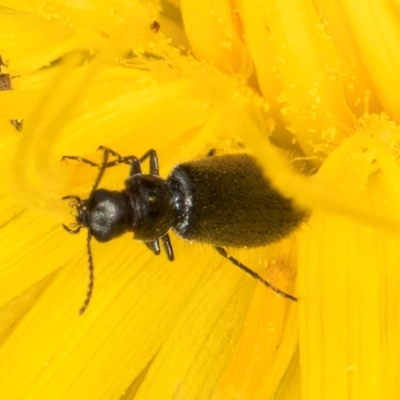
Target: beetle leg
<point x="154" y="246"/>
<point x="153" y="158"/>
<point x="211" y="153"/>
<point x="253" y="274"/>
<point x="168" y="247"/>
<point x="80" y="159"/>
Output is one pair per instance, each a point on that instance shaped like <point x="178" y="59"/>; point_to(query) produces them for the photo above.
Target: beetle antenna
<point x="91" y="276"/>
<point x="253" y="274"/>
<point x="101" y="173"/>
<point x="89" y="237"/>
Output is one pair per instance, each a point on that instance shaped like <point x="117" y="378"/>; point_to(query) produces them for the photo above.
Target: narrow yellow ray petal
<point x="214" y="35"/>
<point x="261" y="48"/>
<point x="33" y="235"/>
<point x="137" y="301"/>
<point x="349" y="297"/>
<point x="376" y="28"/>
<point x="357" y="85"/>
<point x="269" y="335"/>
<point x="308" y="67"/>
<point x="202" y="341"/>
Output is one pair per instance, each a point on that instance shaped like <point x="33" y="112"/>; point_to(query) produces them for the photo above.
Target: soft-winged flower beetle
<point x="222" y="200"/>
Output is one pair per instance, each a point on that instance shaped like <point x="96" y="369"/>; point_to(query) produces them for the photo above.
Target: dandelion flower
<point x="307" y="89"/>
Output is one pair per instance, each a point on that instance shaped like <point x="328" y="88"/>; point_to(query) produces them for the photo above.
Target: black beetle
<point x="221" y="200"/>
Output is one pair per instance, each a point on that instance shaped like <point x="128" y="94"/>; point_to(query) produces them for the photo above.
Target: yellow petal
<point x="213" y="29"/>
<point x="348" y="276"/>
<point x="270" y="333"/>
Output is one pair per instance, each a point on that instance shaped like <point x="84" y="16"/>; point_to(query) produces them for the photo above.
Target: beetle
<point x="223" y="200"/>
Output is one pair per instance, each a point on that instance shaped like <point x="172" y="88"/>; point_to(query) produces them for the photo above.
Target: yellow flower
<point x="319" y="81"/>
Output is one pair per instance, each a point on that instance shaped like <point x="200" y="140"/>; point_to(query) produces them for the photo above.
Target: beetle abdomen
<point x="226" y="201"/>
